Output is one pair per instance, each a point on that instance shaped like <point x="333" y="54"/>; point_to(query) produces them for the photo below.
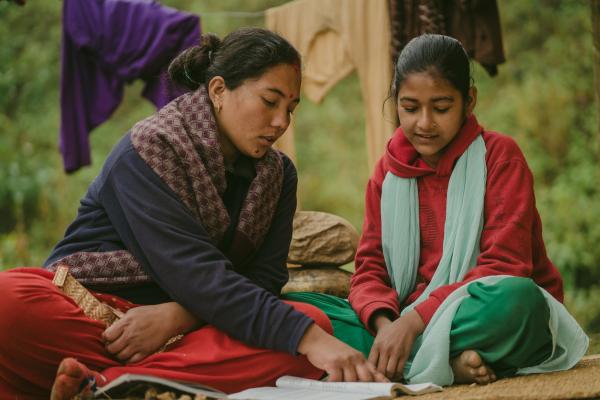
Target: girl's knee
<point x="522" y="296"/>
<point x="506" y="304"/>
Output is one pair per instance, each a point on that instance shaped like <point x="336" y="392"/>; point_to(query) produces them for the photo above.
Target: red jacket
<point x="511" y="241"/>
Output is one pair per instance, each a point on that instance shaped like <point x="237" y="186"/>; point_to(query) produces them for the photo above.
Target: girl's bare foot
<point x="72" y="379"/>
<point x="468" y="367"/>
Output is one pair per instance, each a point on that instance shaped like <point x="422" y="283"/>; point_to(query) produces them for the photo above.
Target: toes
<point x="473" y="359"/>
<point x="481" y="371"/>
<point x="70" y="376"/>
<point x="70" y="367"/>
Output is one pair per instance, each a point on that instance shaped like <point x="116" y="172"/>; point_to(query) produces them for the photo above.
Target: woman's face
<point x="431" y="112"/>
<point x="255" y="114"/>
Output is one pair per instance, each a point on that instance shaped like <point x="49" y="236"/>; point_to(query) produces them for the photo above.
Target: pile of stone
<point x="321" y="244"/>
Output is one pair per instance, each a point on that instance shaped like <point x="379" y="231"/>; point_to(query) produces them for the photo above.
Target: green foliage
<point x="543" y="96"/>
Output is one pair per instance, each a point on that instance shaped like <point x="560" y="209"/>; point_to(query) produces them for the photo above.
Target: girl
<point x="451" y="274"/>
<point x="191" y="219"/>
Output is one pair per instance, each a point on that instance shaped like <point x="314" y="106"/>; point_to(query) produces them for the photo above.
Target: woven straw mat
<point x="580" y="382"/>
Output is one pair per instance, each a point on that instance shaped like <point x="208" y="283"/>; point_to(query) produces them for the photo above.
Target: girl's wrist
<point x="416" y="322"/>
<point x="379" y="319"/>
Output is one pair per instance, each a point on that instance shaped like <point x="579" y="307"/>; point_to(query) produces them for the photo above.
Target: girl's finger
<point x="374" y="354"/>
<point x="382" y="363"/>
<point x="391" y="367"/>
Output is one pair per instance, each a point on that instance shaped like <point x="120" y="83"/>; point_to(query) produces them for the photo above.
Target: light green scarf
<point x="462" y="229"/>
<point x="429" y="361"/>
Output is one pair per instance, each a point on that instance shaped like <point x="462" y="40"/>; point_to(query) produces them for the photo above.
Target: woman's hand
<point x="340" y="361"/>
<point x="144" y="330"/>
<point x="394" y="342"/>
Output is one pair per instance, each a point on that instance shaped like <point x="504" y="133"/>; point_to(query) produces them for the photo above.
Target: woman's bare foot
<point x="72" y="379"/>
<point x="470" y="368"/>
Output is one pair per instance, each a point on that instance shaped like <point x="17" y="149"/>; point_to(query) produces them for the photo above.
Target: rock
<point x="322" y="239"/>
<point x="329" y="280"/>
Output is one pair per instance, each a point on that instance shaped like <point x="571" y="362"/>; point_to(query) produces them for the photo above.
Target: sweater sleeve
<point x="371" y="289"/>
<point x="177" y="252"/>
<point x="506" y="239"/>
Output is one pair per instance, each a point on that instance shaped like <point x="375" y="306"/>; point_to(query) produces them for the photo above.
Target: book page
<point x="371" y="388"/>
<point x="130" y="384"/>
<point x="277" y="393"/>
<point x="416" y="388"/>
<point x="364" y="388"/>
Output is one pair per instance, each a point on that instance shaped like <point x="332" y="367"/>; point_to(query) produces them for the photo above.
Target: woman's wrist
<point x="182" y="320"/>
<point x="312" y="336"/>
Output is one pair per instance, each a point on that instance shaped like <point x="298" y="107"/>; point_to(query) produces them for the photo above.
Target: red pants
<point x="40" y="326"/>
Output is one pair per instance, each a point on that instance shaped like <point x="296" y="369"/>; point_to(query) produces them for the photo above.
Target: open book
<point x="136" y="386"/>
<point x="287" y="387"/>
<point x="293" y="388"/>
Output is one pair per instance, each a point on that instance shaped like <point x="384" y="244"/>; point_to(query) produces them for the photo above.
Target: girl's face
<point x="255" y="114"/>
<point x="431" y="112"/>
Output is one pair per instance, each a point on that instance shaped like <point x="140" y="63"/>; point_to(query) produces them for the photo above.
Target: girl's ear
<point x="471" y="101"/>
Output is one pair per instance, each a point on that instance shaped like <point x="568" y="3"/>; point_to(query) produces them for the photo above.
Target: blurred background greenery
<point x="543" y="97"/>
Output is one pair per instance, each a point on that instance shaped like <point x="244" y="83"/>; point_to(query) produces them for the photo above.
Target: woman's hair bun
<point x="243" y="54"/>
<point x="189" y="68"/>
<point x="210" y="41"/>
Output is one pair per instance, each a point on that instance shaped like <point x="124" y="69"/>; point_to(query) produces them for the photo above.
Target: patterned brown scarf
<point x="180" y="143"/>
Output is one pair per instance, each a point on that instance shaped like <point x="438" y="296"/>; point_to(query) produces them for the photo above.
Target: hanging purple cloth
<point x="106" y="44"/>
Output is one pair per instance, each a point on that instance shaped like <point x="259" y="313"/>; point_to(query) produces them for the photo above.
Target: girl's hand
<point x="340" y="361"/>
<point x="144" y="330"/>
<point x="394" y="342"/>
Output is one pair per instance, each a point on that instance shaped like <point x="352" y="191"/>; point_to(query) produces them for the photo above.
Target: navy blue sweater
<point x="129" y="207"/>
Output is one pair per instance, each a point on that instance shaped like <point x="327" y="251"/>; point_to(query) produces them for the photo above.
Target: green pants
<point x="506" y="323"/>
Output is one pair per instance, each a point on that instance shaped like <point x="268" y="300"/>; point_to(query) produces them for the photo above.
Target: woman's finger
<point x="125" y="354"/>
<point x="335" y="375"/>
<point x="135" y="358"/>
<point x="349" y="373"/>
<point x="117" y="345"/>
<point x="113" y="332"/>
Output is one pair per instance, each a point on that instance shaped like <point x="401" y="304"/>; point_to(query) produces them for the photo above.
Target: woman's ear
<point x="471" y="100"/>
<point x="216" y="91"/>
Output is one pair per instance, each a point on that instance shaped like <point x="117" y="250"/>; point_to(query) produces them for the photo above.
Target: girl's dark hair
<point x="437" y="54"/>
<point x="243" y="54"/>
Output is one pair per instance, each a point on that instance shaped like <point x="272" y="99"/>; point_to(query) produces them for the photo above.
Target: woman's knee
<point x="31" y="301"/>
<point x="315" y="313"/>
<point x="15" y="288"/>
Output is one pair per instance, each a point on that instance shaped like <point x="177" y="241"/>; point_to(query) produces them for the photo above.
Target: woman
<point x="190" y="219"/>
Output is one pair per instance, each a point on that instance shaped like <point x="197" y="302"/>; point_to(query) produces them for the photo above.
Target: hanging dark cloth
<point x="476" y="23"/>
<point x="106" y="44"/>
